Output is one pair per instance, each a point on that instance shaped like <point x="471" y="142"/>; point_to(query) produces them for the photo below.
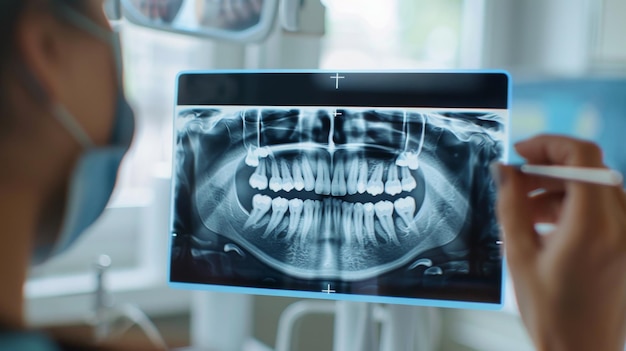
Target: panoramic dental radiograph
<point x="382" y="201"/>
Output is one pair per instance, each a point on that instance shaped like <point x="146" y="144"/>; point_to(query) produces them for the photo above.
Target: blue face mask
<point x="93" y="178"/>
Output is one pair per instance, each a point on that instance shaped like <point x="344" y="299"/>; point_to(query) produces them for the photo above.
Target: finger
<point x="534" y="182"/>
<point x="515" y="215"/>
<point x="546" y="207"/>
<point x="560" y="150"/>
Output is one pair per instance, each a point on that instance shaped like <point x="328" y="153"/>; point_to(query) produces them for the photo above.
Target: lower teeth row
<point x="355" y="221"/>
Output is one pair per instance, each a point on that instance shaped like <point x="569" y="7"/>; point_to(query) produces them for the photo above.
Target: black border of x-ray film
<point x="478" y="89"/>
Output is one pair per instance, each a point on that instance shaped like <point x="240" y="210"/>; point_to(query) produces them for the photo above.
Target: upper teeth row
<point x="354" y="220"/>
<point x="349" y="177"/>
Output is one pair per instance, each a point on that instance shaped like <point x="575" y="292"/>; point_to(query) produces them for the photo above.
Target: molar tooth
<point x="357" y="215"/>
<point x="252" y="159"/>
<point x="276" y="184"/>
<point x="346" y="220"/>
<point x="368" y="215"/>
<point x="405" y="208"/>
<point x="375" y="185"/>
<point x="286" y="176"/>
<point x="393" y="185"/>
<point x="258" y="179"/>
<point x="307" y="173"/>
<point x="353" y="175"/>
<point x="322" y="183"/>
<point x="262" y="152"/>
<point x="408" y="182"/>
<point x="384" y="212"/>
<point x="338" y="187"/>
<point x="298" y="181"/>
<point x="361" y="184"/>
<point x="260" y="205"/>
<point x="279" y="208"/>
<point x="295" y="212"/>
<point x="412" y="160"/>
<point x="401" y="160"/>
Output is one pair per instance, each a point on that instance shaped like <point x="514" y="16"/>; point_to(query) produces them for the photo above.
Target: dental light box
<point x="365" y="186"/>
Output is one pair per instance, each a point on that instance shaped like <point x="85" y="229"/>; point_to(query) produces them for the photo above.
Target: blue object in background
<point x="592" y="109"/>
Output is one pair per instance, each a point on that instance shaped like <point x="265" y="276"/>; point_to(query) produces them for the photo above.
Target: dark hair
<point x="10" y="11"/>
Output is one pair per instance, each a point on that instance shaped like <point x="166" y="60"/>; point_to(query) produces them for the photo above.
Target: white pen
<point x="602" y="176"/>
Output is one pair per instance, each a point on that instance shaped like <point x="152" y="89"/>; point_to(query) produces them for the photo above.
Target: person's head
<point x="49" y="62"/>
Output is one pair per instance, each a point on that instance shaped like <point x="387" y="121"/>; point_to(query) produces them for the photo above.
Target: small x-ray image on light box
<point x="381" y="202"/>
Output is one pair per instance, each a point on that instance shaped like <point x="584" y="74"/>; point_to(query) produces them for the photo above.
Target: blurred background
<point x="568" y="63"/>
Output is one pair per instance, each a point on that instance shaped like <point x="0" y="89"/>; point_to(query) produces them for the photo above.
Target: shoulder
<point x="27" y="341"/>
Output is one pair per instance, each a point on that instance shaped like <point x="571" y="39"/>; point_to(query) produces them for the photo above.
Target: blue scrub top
<point x="26" y="341"/>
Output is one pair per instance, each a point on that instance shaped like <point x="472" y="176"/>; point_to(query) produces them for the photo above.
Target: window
<point x="393" y="34"/>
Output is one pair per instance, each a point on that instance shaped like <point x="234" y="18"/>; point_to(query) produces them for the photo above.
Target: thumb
<point x="515" y="215"/>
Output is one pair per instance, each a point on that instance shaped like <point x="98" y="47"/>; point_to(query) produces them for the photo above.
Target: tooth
<point x="346" y="219"/>
<point x="322" y="183"/>
<point x="262" y="152"/>
<point x="258" y="179"/>
<point x="279" y="208"/>
<point x="307" y="173"/>
<point x="260" y="205"/>
<point x="412" y="160"/>
<point x="307" y="219"/>
<point x="286" y="175"/>
<point x="408" y="182"/>
<point x="295" y="212"/>
<point x="368" y="216"/>
<point x="393" y="185"/>
<point x="401" y="161"/>
<point x="339" y="179"/>
<point x="327" y="217"/>
<point x="375" y="185"/>
<point x="384" y="212"/>
<point x="276" y="184"/>
<point x="252" y="159"/>
<point x="337" y="217"/>
<point x="353" y="174"/>
<point x="298" y="181"/>
<point x="357" y="215"/>
<point x="361" y="184"/>
<point x="405" y="208"/>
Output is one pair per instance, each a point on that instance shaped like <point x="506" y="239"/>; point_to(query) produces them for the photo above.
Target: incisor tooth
<point x="408" y="182"/>
<point x="353" y="175"/>
<point x="279" y="208"/>
<point x="358" y="224"/>
<point x="393" y="185"/>
<point x="298" y="181"/>
<point x="368" y="217"/>
<point x="405" y="208"/>
<point x="322" y="183"/>
<point x="346" y="219"/>
<point x="295" y="212"/>
<point x="384" y="212"/>
<point x="258" y="179"/>
<point x="361" y="184"/>
<point x="260" y="205"/>
<point x="307" y="173"/>
<point x="338" y="187"/>
<point x="286" y="176"/>
<point x="276" y="184"/>
<point x="375" y="185"/>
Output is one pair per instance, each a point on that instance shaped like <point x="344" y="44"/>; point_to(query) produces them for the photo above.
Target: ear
<point x="40" y="48"/>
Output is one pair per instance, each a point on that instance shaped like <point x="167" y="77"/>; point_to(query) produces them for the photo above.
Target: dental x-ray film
<point x="368" y="186"/>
